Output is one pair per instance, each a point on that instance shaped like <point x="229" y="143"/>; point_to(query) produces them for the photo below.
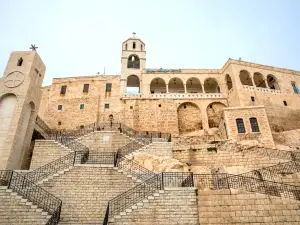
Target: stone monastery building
<point x="149" y="146"/>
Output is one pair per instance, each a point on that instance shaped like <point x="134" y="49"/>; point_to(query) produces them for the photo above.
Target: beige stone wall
<point x="264" y="136"/>
<point x="228" y="162"/>
<point x="162" y="114"/>
<point x="236" y="207"/>
<point x="189" y="118"/>
<point x="94" y="101"/>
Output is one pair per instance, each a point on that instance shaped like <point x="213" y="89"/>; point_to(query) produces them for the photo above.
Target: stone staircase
<point x="171" y="206"/>
<point x="45" y="151"/>
<point x="161" y="149"/>
<point x="85" y="191"/>
<point x="15" y="210"/>
<point x="104" y="141"/>
<point x="238" y="207"/>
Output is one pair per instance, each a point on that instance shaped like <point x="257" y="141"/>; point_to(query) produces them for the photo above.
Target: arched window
<point x="133" y="62"/>
<point x="211" y="86"/>
<point x="214" y="113"/>
<point x="228" y="82"/>
<point x="158" y="85"/>
<point x="272" y="82"/>
<point x="133" y="45"/>
<point x="133" y="85"/>
<point x="295" y="88"/>
<point x="176" y="85"/>
<point x="259" y="80"/>
<point x="240" y="125"/>
<point x="20" y="62"/>
<point x="125" y="46"/>
<point x="245" y="78"/>
<point x="254" y="124"/>
<point x="193" y="85"/>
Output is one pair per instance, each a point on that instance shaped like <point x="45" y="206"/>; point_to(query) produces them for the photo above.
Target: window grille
<point x="86" y="88"/>
<point x="254" y="124"/>
<point x="296" y="90"/>
<point x="240" y="125"/>
<point x="108" y="87"/>
<point x="63" y="89"/>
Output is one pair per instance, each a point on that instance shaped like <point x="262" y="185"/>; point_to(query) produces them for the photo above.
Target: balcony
<point x="253" y="88"/>
<point x="176" y="96"/>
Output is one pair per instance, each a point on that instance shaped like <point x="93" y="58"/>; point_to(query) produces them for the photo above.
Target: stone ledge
<point x="96" y="165"/>
<point x="179" y="188"/>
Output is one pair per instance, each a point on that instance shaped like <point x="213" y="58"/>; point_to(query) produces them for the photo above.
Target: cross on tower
<point x="133" y="34"/>
<point x="33" y="47"/>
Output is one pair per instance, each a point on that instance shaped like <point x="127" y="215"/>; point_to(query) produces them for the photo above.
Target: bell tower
<point x="133" y="62"/>
<point x="20" y="96"/>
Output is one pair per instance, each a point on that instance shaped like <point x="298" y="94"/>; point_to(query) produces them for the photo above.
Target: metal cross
<point x="133" y="34"/>
<point x="33" y="47"/>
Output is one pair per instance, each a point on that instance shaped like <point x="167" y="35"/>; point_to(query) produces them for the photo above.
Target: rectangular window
<point x="254" y="125"/>
<point x="81" y="106"/>
<point x="20" y="62"/>
<point x="252" y="99"/>
<point x="59" y="107"/>
<point x="240" y="125"/>
<point x="106" y="106"/>
<point x="108" y="87"/>
<point x="285" y="103"/>
<point x="296" y="90"/>
<point x="86" y="88"/>
<point x="63" y="89"/>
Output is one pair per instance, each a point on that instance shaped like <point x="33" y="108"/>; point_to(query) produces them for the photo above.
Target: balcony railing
<point x="37" y="195"/>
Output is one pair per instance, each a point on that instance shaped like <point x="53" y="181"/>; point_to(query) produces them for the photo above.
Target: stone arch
<point x="214" y="113"/>
<point x="228" y="81"/>
<point x="133" y="84"/>
<point x="193" y="85"/>
<point x="133" y="62"/>
<point x="245" y="78"/>
<point x="158" y="85"/>
<point x="211" y="86"/>
<point x="25" y="134"/>
<point x="273" y="82"/>
<point x="189" y="117"/>
<point x="7" y="108"/>
<point x="26" y="155"/>
<point x="259" y="80"/>
<point x="176" y="85"/>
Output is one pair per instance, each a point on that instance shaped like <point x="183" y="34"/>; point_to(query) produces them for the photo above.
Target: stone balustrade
<point x="253" y="88"/>
<point x="175" y="96"/>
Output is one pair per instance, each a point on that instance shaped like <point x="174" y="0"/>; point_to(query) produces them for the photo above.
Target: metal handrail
<point x="28" y="189"/>
<point x="271" y="153"/>
<point x="134" y="169"/>
<point x="145" y="137"/>
<point x="269" y="173"/>
<point x="250" y="184"/>
<point x="177" y="179"/>
<point x="134" y="195"/>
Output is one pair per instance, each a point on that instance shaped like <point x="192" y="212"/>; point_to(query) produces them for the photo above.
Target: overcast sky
<point x="81" y="37"/>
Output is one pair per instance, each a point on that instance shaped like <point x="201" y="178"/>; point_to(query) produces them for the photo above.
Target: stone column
<point x="184" y="88"/>
<point x="167" y="88"/>
<point x="202" y="86"/>
<point x="266" y="83"/>
<point x="252" y="79"/>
